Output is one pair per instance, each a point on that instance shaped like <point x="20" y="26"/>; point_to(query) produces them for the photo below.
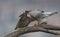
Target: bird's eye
<point x="42" y="11"/>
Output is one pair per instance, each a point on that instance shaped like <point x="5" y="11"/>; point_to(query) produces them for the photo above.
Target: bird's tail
<point x="15" y="28"/>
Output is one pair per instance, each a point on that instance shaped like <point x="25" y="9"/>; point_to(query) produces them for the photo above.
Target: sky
<point x="11" y="9"/>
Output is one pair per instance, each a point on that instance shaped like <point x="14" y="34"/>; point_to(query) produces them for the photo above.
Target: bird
<point x="24" y="21"/>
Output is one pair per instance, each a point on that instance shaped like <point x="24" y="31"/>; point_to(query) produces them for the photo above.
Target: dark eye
<point x="42" y="11"/>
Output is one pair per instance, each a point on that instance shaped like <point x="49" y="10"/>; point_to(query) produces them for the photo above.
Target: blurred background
<point x="11" y="9"/>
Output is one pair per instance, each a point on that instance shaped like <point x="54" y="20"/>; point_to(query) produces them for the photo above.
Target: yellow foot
<point x="37" y="24"/>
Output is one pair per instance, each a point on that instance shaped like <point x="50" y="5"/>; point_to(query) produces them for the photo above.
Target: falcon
<point x="25" y="20"/>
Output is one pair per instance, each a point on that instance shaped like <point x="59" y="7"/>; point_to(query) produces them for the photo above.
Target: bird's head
<point x="40" y="14"/>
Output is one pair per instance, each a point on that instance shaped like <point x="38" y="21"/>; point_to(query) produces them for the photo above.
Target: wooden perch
<point x="21" y="31"/>
<point x="50" y="27"/>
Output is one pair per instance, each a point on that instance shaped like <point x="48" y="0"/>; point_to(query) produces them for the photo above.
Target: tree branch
<point x="50" y="27"/>
<point x="21" y="31"/>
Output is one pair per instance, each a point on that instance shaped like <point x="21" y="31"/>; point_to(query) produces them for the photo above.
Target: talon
<point x="37" y="24"/>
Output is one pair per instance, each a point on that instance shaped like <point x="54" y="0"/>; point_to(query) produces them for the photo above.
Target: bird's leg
<point x="37" y="24"/>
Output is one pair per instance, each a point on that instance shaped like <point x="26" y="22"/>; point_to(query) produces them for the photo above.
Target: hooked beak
<point x="53" y="13"/>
